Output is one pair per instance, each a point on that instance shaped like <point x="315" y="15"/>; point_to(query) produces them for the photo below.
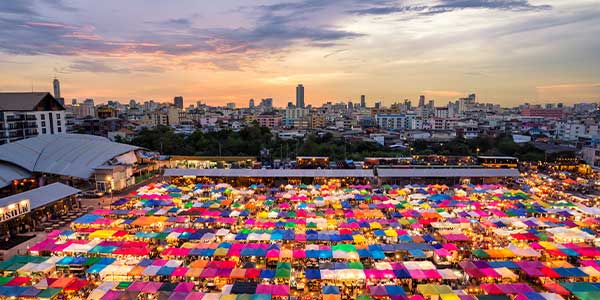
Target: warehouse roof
<point x="75" y="155"/>
<point x="447" y="172"/>
<point x="331" y="173"/>
<point x="41" y="196"/>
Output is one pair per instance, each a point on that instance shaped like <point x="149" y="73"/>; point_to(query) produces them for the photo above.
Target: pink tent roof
<point x="184" y="287"/>
<point x="179" y="271"/>
<point x="275" y="290"/>
<point x="137" y="286"/>
<point x="194" y="296"/>
<point x="151" y="287"/>
<point x="111" y="295"/>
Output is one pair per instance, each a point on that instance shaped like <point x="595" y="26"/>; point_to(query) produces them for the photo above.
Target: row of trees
<point x="251" y="140"/>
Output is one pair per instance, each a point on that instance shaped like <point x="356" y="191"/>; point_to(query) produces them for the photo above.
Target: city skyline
<point x="508" y="52"/>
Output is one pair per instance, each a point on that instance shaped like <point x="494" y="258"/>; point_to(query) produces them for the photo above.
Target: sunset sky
<point x="506" y="51"/>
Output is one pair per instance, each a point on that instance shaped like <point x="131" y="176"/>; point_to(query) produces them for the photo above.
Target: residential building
<point x="300" y="96"/>
<point x="178" y="102"/>
<point x="269" y="120"/>
<point x="395" y="121"/>
<point x="24" y="115"/>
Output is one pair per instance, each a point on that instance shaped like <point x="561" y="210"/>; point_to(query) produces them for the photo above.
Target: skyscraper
<point x="421" y="100"/>
<point x="56" y="85"/>
<point x="300" y="96"/>
<point x="57" y="96"/>
<point x="363" y="101"/>
<point x="251" y="103"/>
<point x="178" y="101"/>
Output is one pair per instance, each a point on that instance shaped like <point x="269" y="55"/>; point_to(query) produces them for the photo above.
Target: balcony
<point x="14" y="118"/>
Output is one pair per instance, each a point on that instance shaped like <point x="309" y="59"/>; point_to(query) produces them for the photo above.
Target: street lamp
<point x="110" y="186"/>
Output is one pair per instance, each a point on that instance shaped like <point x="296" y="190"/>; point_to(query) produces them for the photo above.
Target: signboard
<point x="14" y="210"/>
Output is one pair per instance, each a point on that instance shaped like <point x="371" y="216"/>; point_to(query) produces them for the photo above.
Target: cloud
<point x="28" y="7"/>
<point x="96" y="66"/>
<point x="513" y="5"/>
<point x="445" y="6"/>
<point x="569" y="86"/>
<point x="442" y="93"/>
<point x="569" y="91"/>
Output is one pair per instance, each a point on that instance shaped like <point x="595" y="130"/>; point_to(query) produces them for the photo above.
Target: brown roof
<point x="21" y="101"/>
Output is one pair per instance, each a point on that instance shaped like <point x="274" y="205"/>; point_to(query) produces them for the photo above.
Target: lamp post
<point x="109" y="179"/>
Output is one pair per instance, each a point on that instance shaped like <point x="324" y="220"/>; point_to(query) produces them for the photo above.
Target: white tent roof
<point x="75" y="155"/>
<point x="41" y="196"/>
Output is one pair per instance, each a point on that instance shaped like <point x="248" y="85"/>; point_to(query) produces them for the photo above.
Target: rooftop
<point x="75" y="155"/>
<point x="41" y="196"/>
<point x="24" y="101"/>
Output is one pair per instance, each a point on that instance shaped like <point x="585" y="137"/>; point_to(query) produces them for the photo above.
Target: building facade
<point x="25" y="115"/>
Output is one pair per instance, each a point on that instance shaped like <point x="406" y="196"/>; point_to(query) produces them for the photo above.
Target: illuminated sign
<point x="14" y="210"/>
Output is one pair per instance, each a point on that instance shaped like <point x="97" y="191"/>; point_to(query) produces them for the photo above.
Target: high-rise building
<point x="350" y="105"/>
<point x="431" y="104"/>
<point x="251" y="103"/>
<point x="231" y="105"/>
<point x="421" y="100"/>
<point x="363" y="101"/>
<point x="266" y="103"/>
<point x="300" y="96"/>
<point x="56" y="85"/>
<point x="73" y="101"/>
<point x="178" y="101"/>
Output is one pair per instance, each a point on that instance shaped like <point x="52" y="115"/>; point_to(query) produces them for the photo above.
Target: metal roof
<point x="41" y="196"/>
<point x="331" y="173"/>
<point x="21" y="101"/>
<point x="75" y="155"/>
<point x="10" y="172"/>
<point x="447" y="172"/>
<point x="496" y="157"/>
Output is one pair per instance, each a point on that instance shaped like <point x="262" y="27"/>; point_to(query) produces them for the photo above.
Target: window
<point x="59" y="129"/>
<point x="42" y="117"/>
<point x="58" y="116"/>
<point x="58" y="122"/>
<point x="43" y="130"/>
<point x="43" y="123"/>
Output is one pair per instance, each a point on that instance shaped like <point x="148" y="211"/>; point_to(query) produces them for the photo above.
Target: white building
<point x="25" y="115"/>
<point x="395" y="121"/>
<point x="294" y="113"/>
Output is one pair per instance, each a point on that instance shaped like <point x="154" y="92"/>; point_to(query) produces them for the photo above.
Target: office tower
<point x="290" y="104"/>
<point x="421" y="100"/>
<point x="377" y="105"/>
<point x="132" y="103"/>
<point x="431" y="103"/>
<point x="350" y="106"/>
<point x="230" y="105"/>
<point x="266" y="103"/>
<point x="300" y="96"/>
<point x="56" y="85"/>
<point x="363" y="101"/>
<point x="73" y="101"/>
<point x="178" y="101"/>
<point x="251" y="103"/>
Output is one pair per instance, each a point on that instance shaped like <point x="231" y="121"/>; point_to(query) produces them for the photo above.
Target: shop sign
<point x="14" y="210"/>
